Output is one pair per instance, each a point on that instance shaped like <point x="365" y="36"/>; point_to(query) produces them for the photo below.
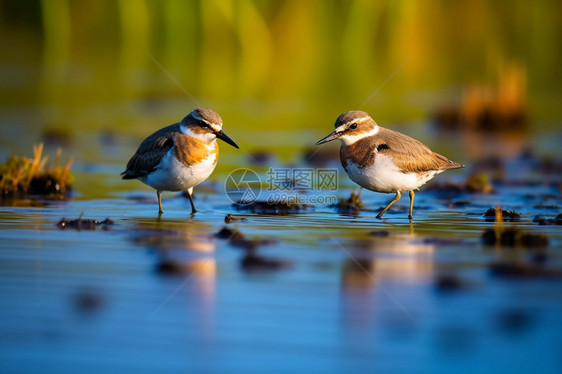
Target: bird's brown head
<point x="205" y="124"/>
<point x="352" y="126"/>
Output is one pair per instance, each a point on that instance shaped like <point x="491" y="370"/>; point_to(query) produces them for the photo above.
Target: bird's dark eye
<point x="353" y="126"/>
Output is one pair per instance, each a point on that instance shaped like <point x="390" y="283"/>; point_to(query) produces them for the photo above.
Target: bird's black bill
<point x="222" y="136"/>
<point x="333" y="136"/>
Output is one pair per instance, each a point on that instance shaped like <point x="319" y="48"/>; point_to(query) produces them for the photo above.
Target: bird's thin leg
<point x="412" y="194"/>
<point x="159" y="194"/>
<point x="396" y="198"/>
<point x="189" y="194"/>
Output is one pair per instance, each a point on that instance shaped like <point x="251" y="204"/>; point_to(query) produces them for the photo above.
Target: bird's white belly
<point x="384" y="176"/>
<point x="172" y="175"/>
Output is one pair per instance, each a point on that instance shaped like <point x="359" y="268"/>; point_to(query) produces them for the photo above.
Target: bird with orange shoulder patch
<point x="180" y="156"/>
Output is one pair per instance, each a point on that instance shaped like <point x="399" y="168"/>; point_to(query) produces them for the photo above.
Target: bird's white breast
<point x="384" y="176"/>
<point x="172" y="175"/>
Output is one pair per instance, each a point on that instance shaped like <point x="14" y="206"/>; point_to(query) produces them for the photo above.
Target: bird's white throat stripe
<point x="206" y="137"/>
<point x="358" y="120"/>
<point x="350" y="139"/>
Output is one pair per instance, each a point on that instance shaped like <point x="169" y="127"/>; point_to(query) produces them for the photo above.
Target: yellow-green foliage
<point x="18" y="174"/>
<point x="317" y="52"/>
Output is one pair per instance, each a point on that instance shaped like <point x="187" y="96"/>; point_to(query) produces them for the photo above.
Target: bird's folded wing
<point x="149" y="153"/>
<point x="411" y="155"/>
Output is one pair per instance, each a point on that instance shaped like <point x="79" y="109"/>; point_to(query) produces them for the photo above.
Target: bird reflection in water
<point x="400" y="258"/>
<point x="186" y="258"/>
<point x="373" y="269"/>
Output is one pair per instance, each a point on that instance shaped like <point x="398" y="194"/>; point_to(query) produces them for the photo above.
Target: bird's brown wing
<point x="409" y="154"/>
<point x="150" y="152"/>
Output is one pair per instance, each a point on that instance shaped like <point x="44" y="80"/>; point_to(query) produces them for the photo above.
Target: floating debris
<point x="229" y="218"/>
<point x="352" y="205"/>
<point x="281" y="208"/>
<point x="251" y="261"/>
<point x="83" y="224"/>
<point x="20" y="176"/>
<point x="499" y="214"/>
<point x="237" y="239"/>
<point x="226" y="233"/>
<point x="549" y="221"/>
<point x="254" y="262"/>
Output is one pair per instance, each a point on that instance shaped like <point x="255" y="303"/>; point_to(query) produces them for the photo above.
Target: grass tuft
<point x="20" y="175"/>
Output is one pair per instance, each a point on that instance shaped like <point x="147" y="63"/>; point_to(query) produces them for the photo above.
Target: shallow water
<point x="313" y="291"/>
<point x="329" y="292"/>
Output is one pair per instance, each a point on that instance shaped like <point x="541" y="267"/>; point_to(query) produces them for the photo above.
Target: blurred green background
<point x="279" y="72"/>
<point x="474" y="80"/>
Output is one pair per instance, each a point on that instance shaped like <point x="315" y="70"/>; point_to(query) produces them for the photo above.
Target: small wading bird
<point x="383" y="160"/>
<point x="180" y="156"/>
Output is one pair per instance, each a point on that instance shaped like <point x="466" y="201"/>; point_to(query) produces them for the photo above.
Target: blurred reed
<point x="299" y="54"/>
